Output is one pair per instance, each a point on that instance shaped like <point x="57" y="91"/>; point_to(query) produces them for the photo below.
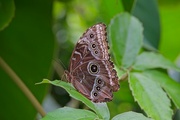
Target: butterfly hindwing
<point x="91" y="71"/>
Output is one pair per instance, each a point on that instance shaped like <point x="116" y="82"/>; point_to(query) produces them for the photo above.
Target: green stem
<point x="22" y="86"/>
<point x="126" y="75"/>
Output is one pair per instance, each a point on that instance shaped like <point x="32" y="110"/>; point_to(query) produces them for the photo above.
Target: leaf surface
<point x="150" y="96"/>
<point x="126" y="38"/>
<point x="130" y="116"/>
<point x="169" y="85"/>
<point x="151" y="60"/>
<point x="7" y="10"/>
<point x="67" y="113"/>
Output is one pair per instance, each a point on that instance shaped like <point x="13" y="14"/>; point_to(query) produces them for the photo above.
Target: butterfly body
<point x="91" y="71"/>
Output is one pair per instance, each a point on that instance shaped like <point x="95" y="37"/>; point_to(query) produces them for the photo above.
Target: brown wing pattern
<point x="91" y="71"/>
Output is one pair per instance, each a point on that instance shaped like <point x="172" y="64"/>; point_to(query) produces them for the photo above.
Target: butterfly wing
<point x="91" y="71"/>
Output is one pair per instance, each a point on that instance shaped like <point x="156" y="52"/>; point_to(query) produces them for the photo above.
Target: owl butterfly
<point x="91" y="71"/>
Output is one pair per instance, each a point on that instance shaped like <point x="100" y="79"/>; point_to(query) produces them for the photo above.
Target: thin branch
<point x="22" y="86"/>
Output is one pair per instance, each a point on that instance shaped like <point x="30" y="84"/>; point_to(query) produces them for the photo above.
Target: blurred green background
<point x="35" y="34"/>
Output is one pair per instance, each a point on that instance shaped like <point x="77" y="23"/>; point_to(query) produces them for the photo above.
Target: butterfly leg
<point x="68" y="76"/>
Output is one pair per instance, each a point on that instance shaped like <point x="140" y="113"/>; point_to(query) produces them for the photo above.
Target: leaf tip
<point x="43" y="81"/>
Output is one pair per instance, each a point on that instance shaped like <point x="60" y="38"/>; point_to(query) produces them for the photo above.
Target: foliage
<point x="7" y="9"/>
<point x="27" y="45"/>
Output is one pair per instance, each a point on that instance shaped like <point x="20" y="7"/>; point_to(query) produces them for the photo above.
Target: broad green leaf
<point x="148" y="14"/>
<point x="170" y="39"/>
<point x="100" y="108"/>
<point x="130" y="116"/>
<point x="169" y="85"/>
<point x="103" y="110"/>
<point x="27" y="45"/>
<point x="67" y="113"/>
<point x="128" y="4"/>
<point x="7" y="10"/>
<point x="150" y="96"/>
<point x="108" y="9"/>
<point x="126" y="38"/>
<point x="150" y="60"/>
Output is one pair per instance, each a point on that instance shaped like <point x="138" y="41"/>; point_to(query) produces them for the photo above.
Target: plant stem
<point x="125" y="76"/>
<point x="22" y="86"/>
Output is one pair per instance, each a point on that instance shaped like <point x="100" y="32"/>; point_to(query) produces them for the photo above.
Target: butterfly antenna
<point x="59" y="68"/>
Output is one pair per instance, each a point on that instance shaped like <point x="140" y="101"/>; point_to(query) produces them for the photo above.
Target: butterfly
<point x="90" y="71"/>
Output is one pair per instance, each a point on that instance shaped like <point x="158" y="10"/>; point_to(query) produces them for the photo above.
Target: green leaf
<point x="148" y="14"/>
<point x="169" y="85"/>
<point x="170" y="39"/>
<point x="101" y="109"/>
<point x="7" y="10"/>
<point x="150" y="60"/>
<point x="128" y="4"/>
<point x="150" y="96"/>
<point x="126" y="38"/>
<point x="67" y="113"/>
<point x="27" y="45"/>
<point x="130" y="116"/>
<point x="108" y="9"/>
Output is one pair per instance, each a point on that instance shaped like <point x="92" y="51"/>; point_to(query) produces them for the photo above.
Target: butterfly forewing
<point x="91" y="71"/>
